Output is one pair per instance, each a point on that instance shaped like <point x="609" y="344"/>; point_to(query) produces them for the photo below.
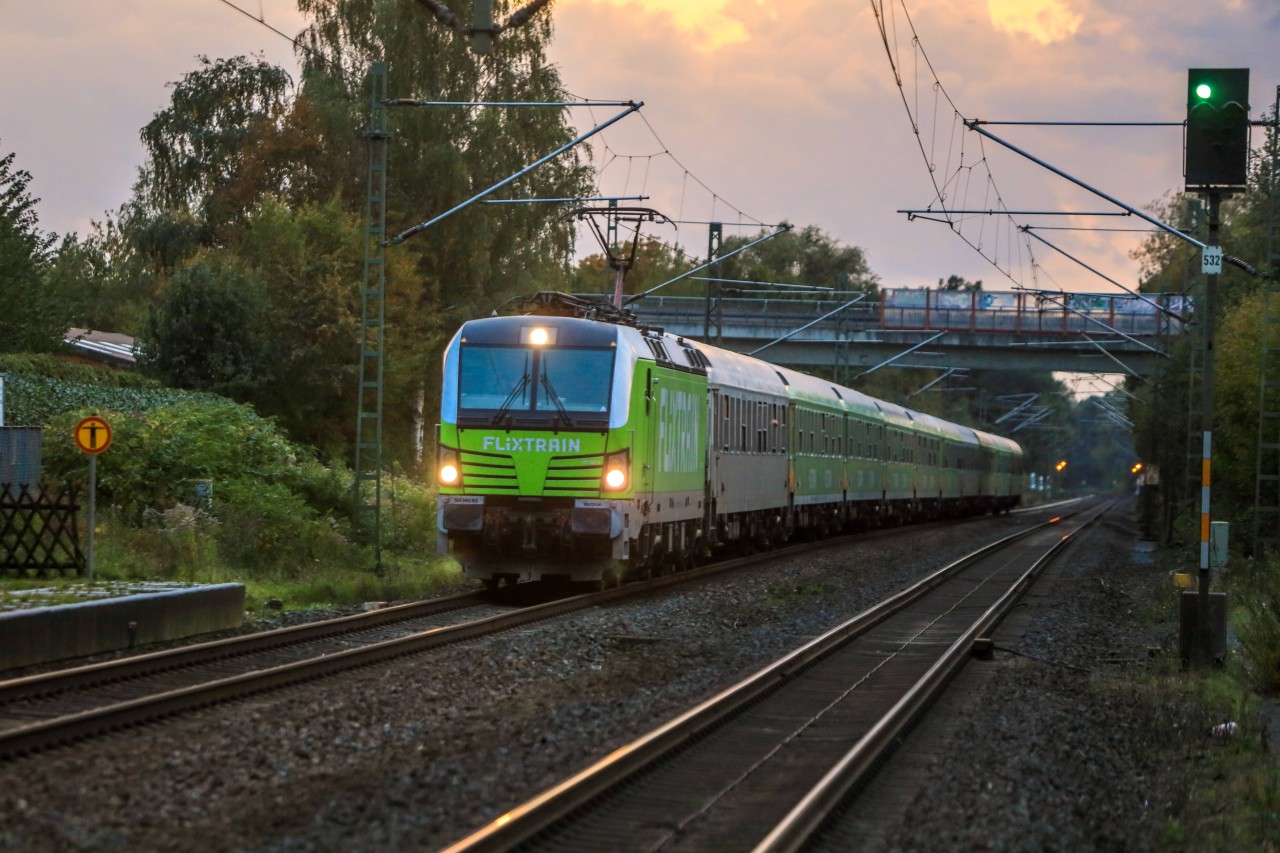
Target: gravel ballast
<point x="1066" y="751"/>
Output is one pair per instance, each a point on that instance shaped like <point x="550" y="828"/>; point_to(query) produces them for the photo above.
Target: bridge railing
<point x="1017" y="312"/>
<point x="1007" y="312"/>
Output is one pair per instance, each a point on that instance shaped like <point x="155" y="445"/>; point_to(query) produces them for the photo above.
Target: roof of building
<point x="107" y="347"/>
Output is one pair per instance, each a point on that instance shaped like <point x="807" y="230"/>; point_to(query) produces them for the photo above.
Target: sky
<point x="755" y="111"/>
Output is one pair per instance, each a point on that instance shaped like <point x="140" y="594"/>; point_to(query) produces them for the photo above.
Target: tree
<point x="956" y="282"/>
<point x="655" y="262"/>
<point x="800" y="256"/>
<point x="199" y="144"/>
<point x="469" y="263"/>
<point x="440" y="156"/>
<point x="206" y="333"/>
<point x="33" y="316"/>
<point x="309" y="260"/>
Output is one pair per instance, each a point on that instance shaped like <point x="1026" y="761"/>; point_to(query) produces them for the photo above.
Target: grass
<point x="185" y="548"/>
<point x="1233" y="802"/>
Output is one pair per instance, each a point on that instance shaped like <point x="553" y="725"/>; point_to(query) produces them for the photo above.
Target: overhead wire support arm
<point x="1128" y="371"/>
<point x="812" y="322"/>
<point x="805" y="287"/>
<point x="1083" y="123"/>
<point x="994" y="212"/>
<point x="1026" y="229"/>
<point x="566" y="200"/>
<point x="411" y="102"/>
<point x="423" y="226"/>
<point x="949" y="372"/>
<point x="905" y="352"/>
<point x="974" y="126"/>
<point x="781" y="229"/>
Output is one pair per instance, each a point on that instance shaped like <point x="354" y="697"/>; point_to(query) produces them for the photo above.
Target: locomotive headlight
<point x="617" y="471"/>
<point x="450" y="472"/>
<point x="538" y="336"/>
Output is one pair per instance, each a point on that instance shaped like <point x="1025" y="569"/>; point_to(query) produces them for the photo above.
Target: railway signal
<point x="1217" y="137"/>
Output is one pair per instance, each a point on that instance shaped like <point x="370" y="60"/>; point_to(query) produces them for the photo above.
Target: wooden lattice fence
<point x="38" y="529"/>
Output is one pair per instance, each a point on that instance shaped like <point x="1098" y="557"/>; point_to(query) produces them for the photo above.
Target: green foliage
<point x="266" y="528"/>
<point x="108" y="275"/>
<point x="275" y="510"/>
<point x="197" y="145"/>
<point x="800" y="256"/>
<point x="473" y="260"/>
<point x="208" y="331"/>
<point x="957" y="282"/>
<point x="310" y="260"/>
<point x="39" y="388"/>
<point x="158" y="452"/>
<point x="1256" y="620"/>
<point x="33" y="317"/>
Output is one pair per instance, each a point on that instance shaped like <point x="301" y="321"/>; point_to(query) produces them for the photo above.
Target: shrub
<point x="267" y="529"/>
<point x="1257" y="624"/>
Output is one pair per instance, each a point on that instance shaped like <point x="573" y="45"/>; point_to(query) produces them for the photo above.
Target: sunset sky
<point x="755" y="111"/>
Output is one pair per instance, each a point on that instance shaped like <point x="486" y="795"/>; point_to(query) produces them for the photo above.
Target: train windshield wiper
<point x="555" y="398"/>
<point x="505" y="409"/>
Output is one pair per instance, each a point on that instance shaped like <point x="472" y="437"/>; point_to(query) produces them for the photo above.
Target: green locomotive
<point x="576" y="445"/>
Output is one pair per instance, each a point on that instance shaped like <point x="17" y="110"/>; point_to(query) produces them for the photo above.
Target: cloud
<point x="710" y="23"/>
<point x="1046" y="21"/>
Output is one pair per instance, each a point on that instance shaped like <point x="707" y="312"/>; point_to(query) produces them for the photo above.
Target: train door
<point x="715" y="427"/>
<point x="644" y="492"/>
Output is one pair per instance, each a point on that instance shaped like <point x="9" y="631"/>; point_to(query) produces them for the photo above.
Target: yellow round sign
<point x="93" y="435"/>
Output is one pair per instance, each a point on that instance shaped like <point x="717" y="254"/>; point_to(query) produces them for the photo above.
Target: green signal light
<point x="1204" y="91"/>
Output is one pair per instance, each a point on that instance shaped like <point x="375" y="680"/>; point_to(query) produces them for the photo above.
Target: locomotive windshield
<point x="534" y="387"/>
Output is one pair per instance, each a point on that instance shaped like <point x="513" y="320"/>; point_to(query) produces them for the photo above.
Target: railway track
<point x="41" y="711"/>
<point x="761" y="765"/>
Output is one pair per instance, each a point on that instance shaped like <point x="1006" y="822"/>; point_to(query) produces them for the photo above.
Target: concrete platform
<point x="41" y="634"/>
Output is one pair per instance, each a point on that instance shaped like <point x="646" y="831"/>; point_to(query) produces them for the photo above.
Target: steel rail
<point x="864" y="757"/>
<point x="48" y="733"/>
<point x="136" y="666"/>
<point x="536" y="816"/>
<point x="45" y="734"/>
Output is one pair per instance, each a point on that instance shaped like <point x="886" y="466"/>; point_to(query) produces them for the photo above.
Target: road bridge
<point x="939" y="329"/>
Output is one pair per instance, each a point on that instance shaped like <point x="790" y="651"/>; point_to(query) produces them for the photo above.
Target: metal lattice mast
<point x="1193" y="448"/>
<point x="1266" y="502"/>
<point x="714" y="318"/>
<point x="368" y="467"/>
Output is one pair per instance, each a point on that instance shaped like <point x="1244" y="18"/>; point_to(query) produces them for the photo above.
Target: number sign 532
<point x="1211" y="260"/>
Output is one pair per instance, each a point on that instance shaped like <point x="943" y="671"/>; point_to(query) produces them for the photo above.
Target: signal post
<point x="1215" y="164"/>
